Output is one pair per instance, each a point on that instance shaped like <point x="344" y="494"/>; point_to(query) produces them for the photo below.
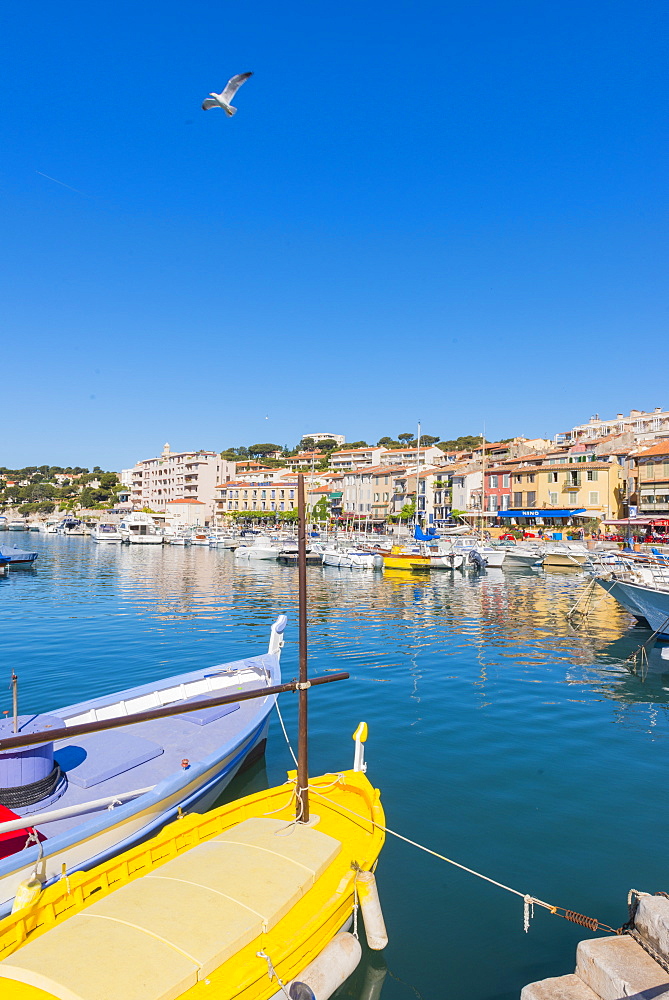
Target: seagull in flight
<point x="223" y="99"/>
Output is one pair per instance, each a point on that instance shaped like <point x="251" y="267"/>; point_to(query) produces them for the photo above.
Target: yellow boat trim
<point x="348" y="809"/>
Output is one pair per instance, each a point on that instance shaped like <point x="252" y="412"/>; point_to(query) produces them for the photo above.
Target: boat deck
<point x="99" y="765"/>
<point x="176" y="925"/>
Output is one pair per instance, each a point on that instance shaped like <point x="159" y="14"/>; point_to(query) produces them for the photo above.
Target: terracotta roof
<point x="657" y="449"/>
<point x="186" y="500"/>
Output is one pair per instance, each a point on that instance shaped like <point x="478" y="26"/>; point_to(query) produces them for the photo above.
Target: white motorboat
<point x="523" y="554"/>
<point x="17" y="524"/>
<point x="564" y="555"/>
<point x="261" y="548"/>
<point x="351" y="558"/>
<point x="642" y="589"/>
<point x="138" y="529"/>
<point x="105" y="531"/>
<point x="494" y="557"/>
<point x="200" y="536"/>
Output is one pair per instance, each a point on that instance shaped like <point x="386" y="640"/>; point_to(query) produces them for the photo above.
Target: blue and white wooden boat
<point x="96" y="795"/>
<point x="16" y="556"/>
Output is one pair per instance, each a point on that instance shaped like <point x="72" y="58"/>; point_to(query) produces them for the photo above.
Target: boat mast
<point x="415" y="517"/>
<point x="302" y="803"/>
<point x="482" y="481"/>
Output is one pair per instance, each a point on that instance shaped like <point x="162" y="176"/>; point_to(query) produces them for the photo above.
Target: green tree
<point x="321" y="510"/>
<point x="327" y="445"/>
<point x="387" y="442"/>
<point x="108" y="480"/>
<point x="307" y="444"/>
<point x="263" y="449"/>
<point x="405" y="437"/>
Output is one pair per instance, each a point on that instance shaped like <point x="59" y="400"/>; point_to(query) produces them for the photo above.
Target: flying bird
<point x="223" y="99"/>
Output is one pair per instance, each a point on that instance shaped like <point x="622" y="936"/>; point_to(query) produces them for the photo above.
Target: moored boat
<point x="241" y="902"/>
<point x="261" y="548"/>
<point x="139" y="529"/>
<point x="17" y="524"/>
<point x="400" y="558"/>
<point x="106" y="532"/>
<point x="94" y="795"/>
<point x="564" y="556"/>
<point x="16" y="556"/>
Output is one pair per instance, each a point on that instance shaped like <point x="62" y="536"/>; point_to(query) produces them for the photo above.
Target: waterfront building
<point x="181" y="475"/>
<point x="190" y="512"/>
<point x="555" y="488"/>
<point x="338" y="438"/>
<point x="653" y="478"/>
<point x="239" y="495"/>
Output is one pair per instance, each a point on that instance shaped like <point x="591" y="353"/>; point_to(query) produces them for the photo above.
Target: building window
<point x="517" y="479"/>
<point x="506" y="481"/>
<point x="592" y="475"/>
<point x="530" y="478"/>
<point x="552" y="477"/>
<point x="517" y="499"/>
<point x="553" y="499"/>
<point x="594" y="499"/>
<point x="531" y="498"/>
<point x="493" y="485"/>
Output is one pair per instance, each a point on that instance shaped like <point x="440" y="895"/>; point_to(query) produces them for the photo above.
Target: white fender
<point x="370" y="905"/>
<point x="338" y="960"/>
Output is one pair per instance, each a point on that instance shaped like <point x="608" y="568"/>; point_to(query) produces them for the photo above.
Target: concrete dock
<point x="610" y="968"/>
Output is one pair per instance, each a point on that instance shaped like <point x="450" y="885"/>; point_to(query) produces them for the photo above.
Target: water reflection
<point x="497" y="729"/>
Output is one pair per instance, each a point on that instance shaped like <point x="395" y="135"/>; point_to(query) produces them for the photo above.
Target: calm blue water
<point x="499" y="735"/>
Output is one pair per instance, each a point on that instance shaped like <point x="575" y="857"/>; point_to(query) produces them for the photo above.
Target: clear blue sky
<point x="452" y="212"/>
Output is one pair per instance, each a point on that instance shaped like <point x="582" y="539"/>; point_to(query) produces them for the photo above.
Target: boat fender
<point x="372" y="915"/>
<point x="27" y="893"/>
<point x="338" y="960"/>
<point x="373" y="983"/>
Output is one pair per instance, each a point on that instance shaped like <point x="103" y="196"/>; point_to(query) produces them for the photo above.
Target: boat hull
<point x="410" y="563"/>
<point x="319" y="899"/>
<point x="649" y="606"/>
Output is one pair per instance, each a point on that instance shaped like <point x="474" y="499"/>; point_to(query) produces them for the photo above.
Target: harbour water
<point x="499" y="735"/>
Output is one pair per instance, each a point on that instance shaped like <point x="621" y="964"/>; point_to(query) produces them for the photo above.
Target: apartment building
<point x="355" y="458"/>
<point x="239" y="495"/>
<point x="641" y="424"/>
<point x="413" y="456"/>
<point x="305" y="460"/>
<point x="653" y="475"/>
<point x="558" y="490"/>
<point x="338" y="438"/>
<point x="187" y="475"/>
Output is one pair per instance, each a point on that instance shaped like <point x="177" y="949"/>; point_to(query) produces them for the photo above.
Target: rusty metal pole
<point x="302" y="804"/>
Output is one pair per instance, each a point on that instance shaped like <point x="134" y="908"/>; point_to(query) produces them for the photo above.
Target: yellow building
<point x="563" y="488"/>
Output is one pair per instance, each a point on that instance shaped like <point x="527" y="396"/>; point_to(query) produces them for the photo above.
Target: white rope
<point x="278" y="712"/>
<point x="528" y="900"/>
<point x="272" y="973"/>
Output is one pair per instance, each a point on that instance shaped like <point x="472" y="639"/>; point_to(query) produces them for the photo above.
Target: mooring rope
<point x="529" y="901"/>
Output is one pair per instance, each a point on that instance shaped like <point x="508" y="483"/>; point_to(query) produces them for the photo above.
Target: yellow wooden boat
<point x="219" y="906"/>
<point x="398" y="558"/>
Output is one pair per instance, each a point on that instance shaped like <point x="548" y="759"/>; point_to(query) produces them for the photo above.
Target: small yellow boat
<point x="236" y="903"/>
<point x="399" y="558"/>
